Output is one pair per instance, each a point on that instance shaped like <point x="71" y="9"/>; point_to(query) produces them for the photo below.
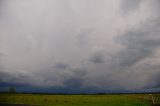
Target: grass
<point x="80" y="100"/>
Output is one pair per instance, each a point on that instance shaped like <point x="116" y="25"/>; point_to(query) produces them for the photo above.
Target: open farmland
<point x="80" y="100"/>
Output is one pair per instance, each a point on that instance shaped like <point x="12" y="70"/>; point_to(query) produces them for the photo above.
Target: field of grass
<point x="81" y="100"/>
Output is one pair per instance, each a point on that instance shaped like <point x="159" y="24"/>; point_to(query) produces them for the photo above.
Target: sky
<point x="80" y="45"/>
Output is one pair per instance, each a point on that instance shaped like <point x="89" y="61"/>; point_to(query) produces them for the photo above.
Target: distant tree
<point x="12" y="90"/>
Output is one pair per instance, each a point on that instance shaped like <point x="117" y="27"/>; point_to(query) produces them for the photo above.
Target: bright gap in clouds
<point x="106" y="45"/>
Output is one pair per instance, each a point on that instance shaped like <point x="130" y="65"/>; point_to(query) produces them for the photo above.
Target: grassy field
<point x="81" y="100"/>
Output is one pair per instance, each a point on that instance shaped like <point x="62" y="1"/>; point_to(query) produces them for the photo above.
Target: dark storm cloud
<point x="154" y="80"/>
<point x="16" y="77"/>
<point x="62" y="66"/>
<point x="8" y="80"/>
<point x="97" y="56"/>
<point x="73" y="81"/>
<point x="4" y="75"/>
<point x="75" y="78"/>
<point x="139" y="43"/>
<point x="12" y="77"/>
<point x="128" y="6"/>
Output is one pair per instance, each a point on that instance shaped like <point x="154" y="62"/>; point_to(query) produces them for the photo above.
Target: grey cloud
<point x="20" y="77"/>
<point x="83" y="37"/>
<point x="155" y="8"/>
<point x="37" y="35"/>
<point x="156" y="81"/>
<point x="97" y="56"/>
<point x="153" y="80"/>
<point x="128" y="6"/>
<point x="76" y="78"/>
<point x="1" y="54"/>
<point x="12" y="77"/>
<point x="2" y="3"/>
<point x="73" y="82"/>
<point x="60" y="65"/>
<point x="1" y="60"/>
<point x="139" y="43"/>
<point x="4" y="76"/>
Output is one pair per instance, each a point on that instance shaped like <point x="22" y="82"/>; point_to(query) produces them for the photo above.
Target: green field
<point x="81" y="100"/>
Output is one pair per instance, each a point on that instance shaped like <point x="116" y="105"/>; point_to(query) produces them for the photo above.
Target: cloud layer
<point x="105" y="45"/>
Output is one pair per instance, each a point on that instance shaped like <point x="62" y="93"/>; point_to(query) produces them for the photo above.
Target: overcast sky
<point x="101" y="44"/>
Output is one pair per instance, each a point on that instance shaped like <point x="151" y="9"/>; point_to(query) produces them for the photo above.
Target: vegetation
<point x="81" y="100"/>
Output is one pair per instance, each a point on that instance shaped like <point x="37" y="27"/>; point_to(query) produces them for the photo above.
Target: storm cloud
<point x="140" y="43"/>
<point x="97" y="56"/>
<point x="75" y="78"/>
<point x="105" y="45"/>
